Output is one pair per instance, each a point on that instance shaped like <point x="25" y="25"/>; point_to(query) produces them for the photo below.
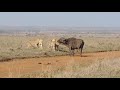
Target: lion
<point x="54" y="45"/>
<point x="35" y="44"/>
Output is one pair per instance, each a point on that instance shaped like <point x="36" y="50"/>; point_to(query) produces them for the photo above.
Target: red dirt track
<point x="25" y="66"/>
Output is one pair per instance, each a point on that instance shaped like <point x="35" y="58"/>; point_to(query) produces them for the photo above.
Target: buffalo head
<point x="62" y="41"/>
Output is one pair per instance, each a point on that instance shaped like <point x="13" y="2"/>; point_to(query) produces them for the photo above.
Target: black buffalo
<point x="72" y="43"/>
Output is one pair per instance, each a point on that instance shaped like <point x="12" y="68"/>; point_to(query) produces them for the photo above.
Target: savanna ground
<point x="101" y="58"/>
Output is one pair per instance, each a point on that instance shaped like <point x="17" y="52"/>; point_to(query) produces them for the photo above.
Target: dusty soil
<point x="24" y="66"/>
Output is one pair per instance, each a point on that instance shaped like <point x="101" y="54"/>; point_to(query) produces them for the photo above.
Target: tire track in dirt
<point x="19" y="67"/>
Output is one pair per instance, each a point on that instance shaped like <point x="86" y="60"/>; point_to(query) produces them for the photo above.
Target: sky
<point x="72" y="19"/>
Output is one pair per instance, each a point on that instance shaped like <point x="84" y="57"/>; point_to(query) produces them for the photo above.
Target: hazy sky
<point x="82" y="19"/>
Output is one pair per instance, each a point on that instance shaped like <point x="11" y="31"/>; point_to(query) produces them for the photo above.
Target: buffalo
<point x="72" y="43"/>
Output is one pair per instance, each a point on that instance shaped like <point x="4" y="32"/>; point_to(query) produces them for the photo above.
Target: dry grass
<point x="15" y="46"/>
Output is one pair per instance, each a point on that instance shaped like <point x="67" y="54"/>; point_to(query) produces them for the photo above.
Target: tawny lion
<point x="35" y="44"/>
<point x="54" y="45"/>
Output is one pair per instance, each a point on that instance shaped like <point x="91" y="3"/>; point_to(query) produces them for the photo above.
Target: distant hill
<point x="45" y="29"/>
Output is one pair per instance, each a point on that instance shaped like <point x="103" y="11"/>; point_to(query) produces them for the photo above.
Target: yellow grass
<point x="15" y="46"/>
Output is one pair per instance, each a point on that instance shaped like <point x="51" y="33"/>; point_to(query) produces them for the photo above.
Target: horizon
<point x="60" y="26"/>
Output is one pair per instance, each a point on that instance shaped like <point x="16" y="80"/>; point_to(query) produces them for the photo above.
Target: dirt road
<point x="23" y="66"/>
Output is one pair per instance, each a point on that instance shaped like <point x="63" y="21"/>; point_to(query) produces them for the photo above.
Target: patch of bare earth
<point x="18" y="67"/>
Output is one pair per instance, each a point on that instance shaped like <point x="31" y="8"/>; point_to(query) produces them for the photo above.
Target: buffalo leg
<point x="55" y="47"/>
<point x="70" y="51"/>
<point x="81" y="52"/>
<point x="73" y="52"/>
